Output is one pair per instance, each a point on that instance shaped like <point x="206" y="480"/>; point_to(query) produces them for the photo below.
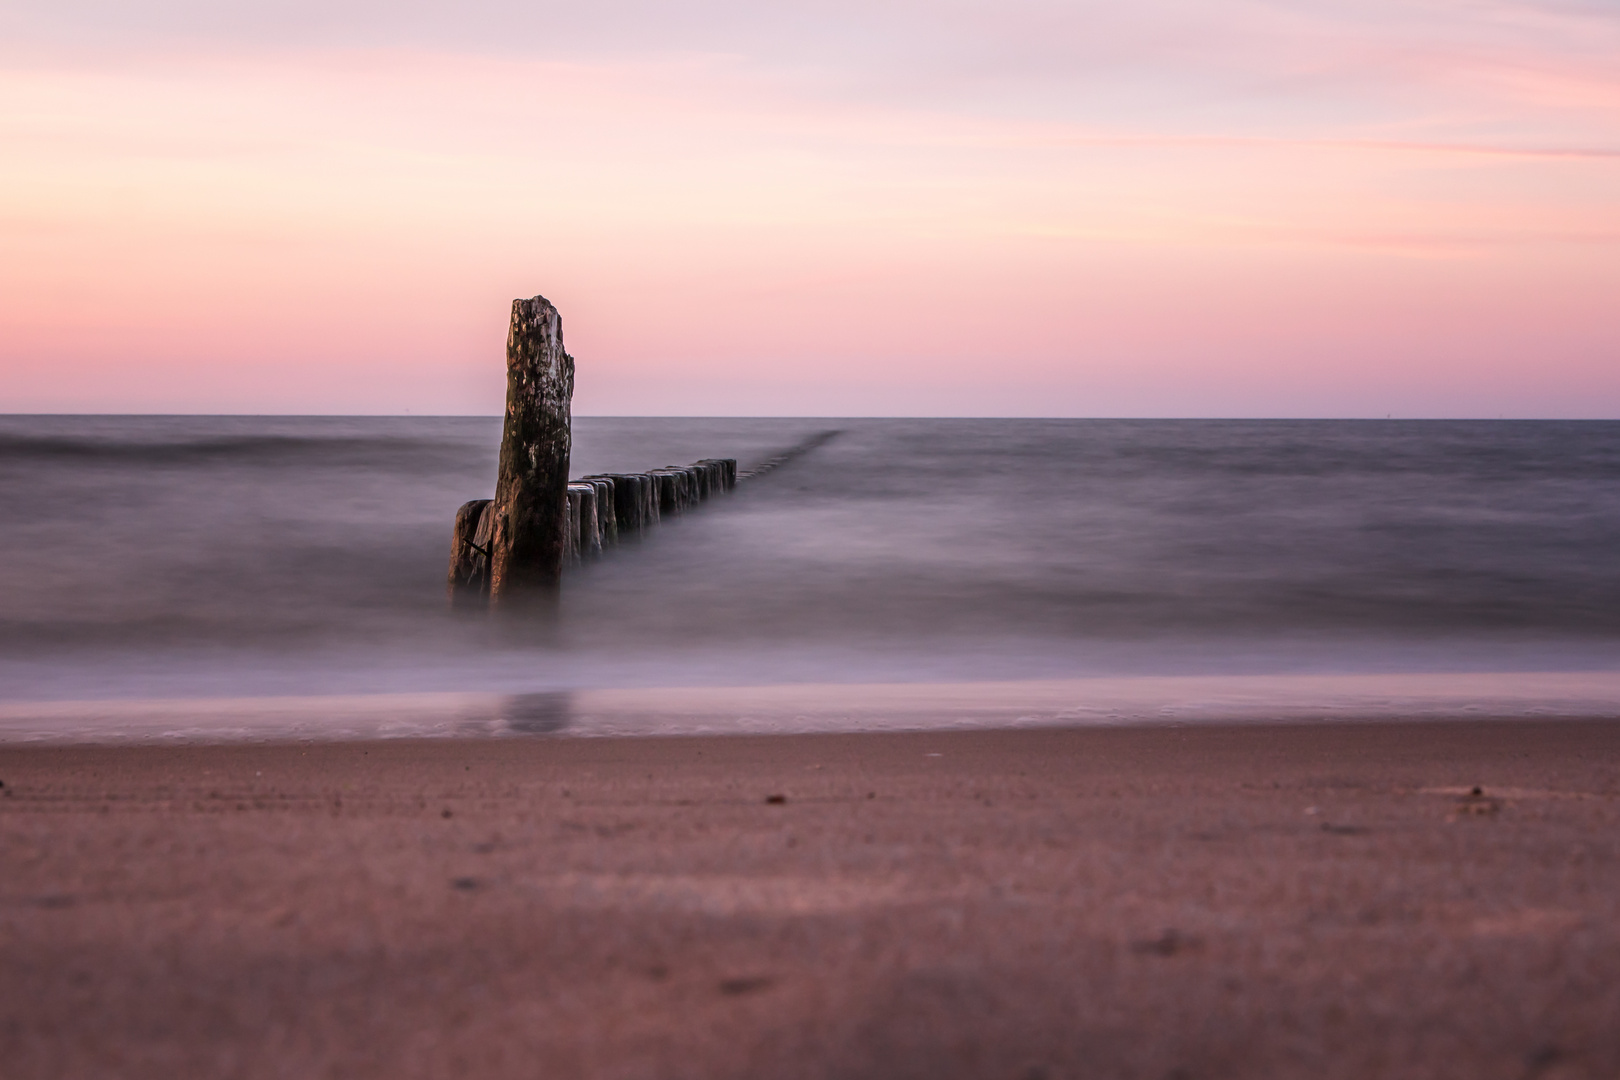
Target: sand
<point x="1239" y="901"/>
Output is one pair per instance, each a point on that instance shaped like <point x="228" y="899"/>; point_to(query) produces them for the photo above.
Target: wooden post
<point x="626" y="501"/>
<point x="588" y="540"/>
<point x="650" y="512"/>
<point x="669" y="492"/>
<point x="469" y="554"/>
<point x="572" y="502"/>
<point x="607" y="517"/>
<point x="530" y="512"/>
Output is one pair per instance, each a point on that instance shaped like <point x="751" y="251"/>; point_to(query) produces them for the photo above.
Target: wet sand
<point x="1236" y="901"/>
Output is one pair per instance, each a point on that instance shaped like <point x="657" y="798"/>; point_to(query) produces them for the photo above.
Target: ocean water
<point x="268" y="576"/>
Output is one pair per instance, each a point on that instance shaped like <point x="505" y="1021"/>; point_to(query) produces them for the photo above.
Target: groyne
<point x="605" y="509"/>
<point x="539" y="522"/>
<point x="599" y="511"/>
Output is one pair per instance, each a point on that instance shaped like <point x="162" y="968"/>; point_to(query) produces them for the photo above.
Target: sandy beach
<point x="1327" y="900"/>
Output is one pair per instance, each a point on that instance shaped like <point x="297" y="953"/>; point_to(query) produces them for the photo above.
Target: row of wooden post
<point x="600" y="511"/>
<point x="515" y="546"/>
<point x="604" y="505"/>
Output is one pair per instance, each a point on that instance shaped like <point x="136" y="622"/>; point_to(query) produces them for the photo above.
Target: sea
<point x="244" y="577"/>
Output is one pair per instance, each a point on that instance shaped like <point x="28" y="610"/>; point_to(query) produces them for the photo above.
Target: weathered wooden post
<point x="588" y="540"/>
<point x="573" y="504"/>
<point x="621" y="499"/>
<point x="530" y="513"/>
<point x="630" y="499"/>
<point x="607" y="518"/>
<point x="650" y="512"/>
<point x="669" y="492"/>
<point x="469" y="554"/>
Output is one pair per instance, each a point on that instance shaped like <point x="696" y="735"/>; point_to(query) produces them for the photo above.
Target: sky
<point x="1027" y="208"/>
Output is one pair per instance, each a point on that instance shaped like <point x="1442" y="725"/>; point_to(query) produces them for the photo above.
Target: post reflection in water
<point x="545" y="713"/>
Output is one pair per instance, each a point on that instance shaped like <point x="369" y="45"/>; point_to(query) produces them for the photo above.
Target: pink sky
<point x="1215" y="209"/>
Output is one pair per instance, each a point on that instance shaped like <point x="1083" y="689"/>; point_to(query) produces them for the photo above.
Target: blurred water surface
<point x="176" y="557"/>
